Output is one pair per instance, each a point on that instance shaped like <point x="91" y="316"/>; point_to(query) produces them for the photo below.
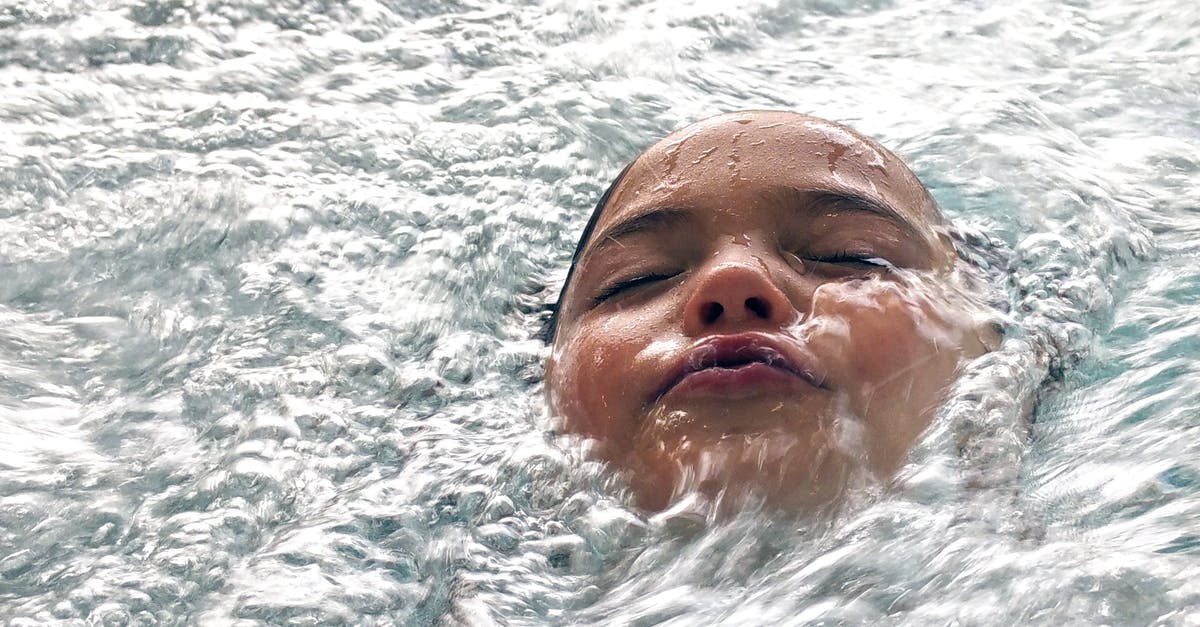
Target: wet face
<point x="764" y="310"/>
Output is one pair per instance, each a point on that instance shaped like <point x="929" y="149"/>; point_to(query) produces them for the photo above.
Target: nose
<point x="736" y="294"/>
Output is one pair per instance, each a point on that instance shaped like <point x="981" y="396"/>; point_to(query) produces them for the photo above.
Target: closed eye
<point x="629" y="284"/>
<point x="853" y="259"/>
<point x="846" y="264"/>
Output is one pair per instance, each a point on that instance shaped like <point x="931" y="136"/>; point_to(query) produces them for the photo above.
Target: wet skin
<point x="765" y="309"/>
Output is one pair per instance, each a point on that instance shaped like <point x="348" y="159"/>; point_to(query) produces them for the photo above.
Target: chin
<point x="799" y="465"/>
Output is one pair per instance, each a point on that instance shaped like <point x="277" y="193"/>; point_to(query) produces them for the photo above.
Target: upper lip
<point x="727" y="351"/>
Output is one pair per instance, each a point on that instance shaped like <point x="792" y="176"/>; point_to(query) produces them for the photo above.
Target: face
<point x="765" y="310"/>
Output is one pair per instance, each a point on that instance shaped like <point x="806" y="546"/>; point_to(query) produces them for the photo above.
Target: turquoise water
<point x="270" y="274"/>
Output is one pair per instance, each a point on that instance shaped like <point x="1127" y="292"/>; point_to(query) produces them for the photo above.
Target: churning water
<point x="270" y="274"/>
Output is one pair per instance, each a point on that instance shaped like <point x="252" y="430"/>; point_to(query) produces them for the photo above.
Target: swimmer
<point x="765" y="307"/>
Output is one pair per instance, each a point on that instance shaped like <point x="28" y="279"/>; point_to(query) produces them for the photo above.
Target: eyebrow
<point x="842" y="199"/>
<point x="650" y="220"/>
<point x="658" y="218"/>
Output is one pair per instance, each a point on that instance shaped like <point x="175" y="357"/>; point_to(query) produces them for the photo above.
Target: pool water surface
<point x="271" y="276"/>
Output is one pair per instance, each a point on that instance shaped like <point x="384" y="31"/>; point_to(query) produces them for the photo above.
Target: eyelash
<point x="846" y="257"/>
<point x="842" y="257"/>
<point x="628" y="284"/>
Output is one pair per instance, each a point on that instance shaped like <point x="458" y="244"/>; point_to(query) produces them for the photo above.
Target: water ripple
<point x="270" y="275"/>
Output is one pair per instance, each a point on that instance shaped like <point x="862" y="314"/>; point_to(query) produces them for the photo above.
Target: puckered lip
<point x="731" y="351"/>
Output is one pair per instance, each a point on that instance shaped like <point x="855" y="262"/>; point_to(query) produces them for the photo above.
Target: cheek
<point x="895" y="351"/>
<point x="595" y="382"/>
<point x="896" y="348"/>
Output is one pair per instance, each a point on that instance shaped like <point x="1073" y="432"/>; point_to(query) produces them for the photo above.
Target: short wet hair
<point x="551" y="326"/>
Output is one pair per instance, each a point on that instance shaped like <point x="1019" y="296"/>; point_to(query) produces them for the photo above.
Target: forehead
<point x="726" y="161"/>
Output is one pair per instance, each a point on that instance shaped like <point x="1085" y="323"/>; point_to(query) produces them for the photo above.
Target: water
<point x="270" y="274"/>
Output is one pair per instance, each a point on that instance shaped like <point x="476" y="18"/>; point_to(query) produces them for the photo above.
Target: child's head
<point x="762" y="305"/>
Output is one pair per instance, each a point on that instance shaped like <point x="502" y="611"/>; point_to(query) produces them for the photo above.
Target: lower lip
<point x="737" y="382"/>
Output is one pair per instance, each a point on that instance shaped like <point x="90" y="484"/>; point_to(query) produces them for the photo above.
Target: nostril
<point x="759" y="307"/>
<point x="710" y="312"/>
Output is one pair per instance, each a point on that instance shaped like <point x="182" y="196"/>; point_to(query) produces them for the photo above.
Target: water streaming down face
<point x="766" y="305"/>
<point x="270" y="273"/>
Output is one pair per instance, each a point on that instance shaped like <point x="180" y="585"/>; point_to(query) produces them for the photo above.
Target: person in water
<point x="764" y="305"/>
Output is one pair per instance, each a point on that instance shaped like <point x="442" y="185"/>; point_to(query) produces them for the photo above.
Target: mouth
<point x="739" y="365"/>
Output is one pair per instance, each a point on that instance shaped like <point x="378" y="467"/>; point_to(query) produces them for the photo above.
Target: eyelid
<point x="638" y="280"/>
<point x="805" y="262"/>
<point x="864" y="258"/>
